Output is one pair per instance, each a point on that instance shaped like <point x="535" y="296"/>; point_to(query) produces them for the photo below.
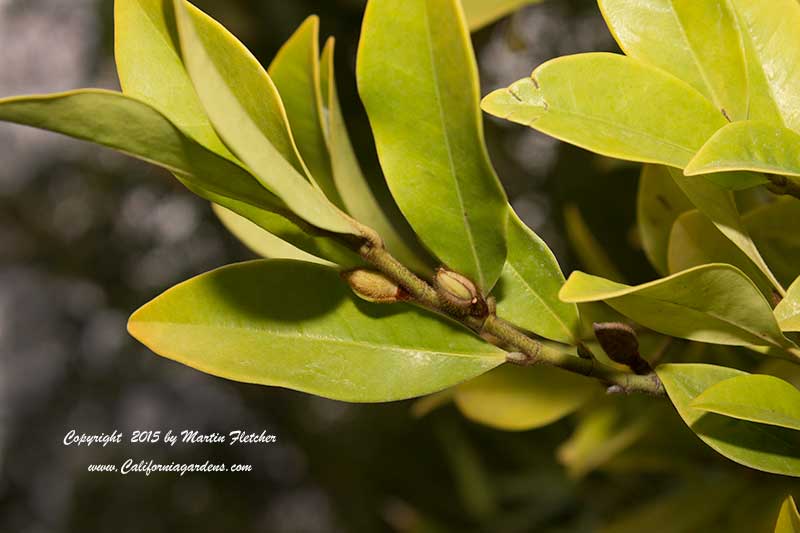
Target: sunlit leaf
<point x="749" y="145"/>
<point x="527" y="292"/>
<point x="698" y="42"/>
<point x="134" y="128"/>
<point x="712" y="303"/>
<point x="789" y="518"/>
<point x="768" y="448"/>
<point x="659" y="202"/>
<point x="788" y="311"/>
<point x="369" y="202"/>
<point x="261" y="241"/>
<point x="604" y="103"/>
<point x="695" y="241"/>
<point x="246" y="111"/>
<point x="481" y="13"/>
<point x="297" y="325"/>
<point x="517" y="398"/>
<point x="419" y="83"/>
<point x="754" y="397"/>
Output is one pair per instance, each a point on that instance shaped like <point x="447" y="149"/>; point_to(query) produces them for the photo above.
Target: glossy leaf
<point x="296" y="325"/>
<point x="370" y="203"/>
<point x="481" y="13"/>
<point x="749" y="145"/>
<point x="246" y="111"/>
<point x="150" y="68"/>
<point x="422" y="101"/>
<point x="719" y="205"/>
<point x="695" y="241"/>
<point x="712" y="303"/>
<point x="260" y="241"/>
<point x="603" y="102"/>
<point x="295" y="72"/>
<point x="698" y="42"/>
<point x="789" y="518"/>
<point x="757" y="398"/>
<point x="781" y="248"/>
<point x="659" y="203"/>
<point x="134" y="128"/>
<point x="527" y="292"/>
<point x="773" y="54"/>
<point x="768" y="448"/>
<point x="516" y="398"/>
<point x="788" y="311"/>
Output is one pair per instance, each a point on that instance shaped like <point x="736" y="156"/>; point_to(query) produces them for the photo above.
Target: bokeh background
<point x="87" y="236"/>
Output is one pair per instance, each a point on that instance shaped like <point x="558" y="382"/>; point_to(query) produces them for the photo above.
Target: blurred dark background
<point x="87" y="236"/>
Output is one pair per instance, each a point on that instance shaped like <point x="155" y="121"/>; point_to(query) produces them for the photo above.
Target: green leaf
<point x="749" y="145"/>
<point x="422" y="100"/>
<point x="719" y="205"/>
<point x="296" y="74"/>
<point x="772" y="50"/>
<point x="261" y="241"/>
<point x="711" y="303"/>
<point x="698" y="42"/>
<point x="370" y="203"/>
<point x="604" y="103"/>
<point x="590" y="252"/>
<point x="514" y="398"/>
<point x="789" y="518"/>
<point x="759" y="446"/>
<point x="781" y="247"/>
<point x="659" y="203"/>
<point x="297" y="325"/>
<point x="527" y="292"/>
<point x="134" y="128"/>
<point x="150" y="68"/>
<point x="695" y="241"/>
<point x="757" y="398"/>
<point x="481" y="13"/>
<point x="245" y="109"/>
<point x="788" y="311"/>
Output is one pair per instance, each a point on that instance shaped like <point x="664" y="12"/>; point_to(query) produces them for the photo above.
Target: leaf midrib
<point x="533" y="293"/>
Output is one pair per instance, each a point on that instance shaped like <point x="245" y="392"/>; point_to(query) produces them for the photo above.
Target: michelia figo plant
<point x="377" y="290"/>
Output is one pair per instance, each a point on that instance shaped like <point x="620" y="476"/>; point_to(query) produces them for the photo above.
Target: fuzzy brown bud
<point x="620" y="343"/>
<point x="373" y="286"/>
<point x="459" y="293"/>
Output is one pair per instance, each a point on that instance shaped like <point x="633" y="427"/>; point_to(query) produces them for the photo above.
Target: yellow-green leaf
<point x="788" y="311"/>
<point x="245" y="109"/>
<point x="711" y="303"/>
<point x="754" y="397"/>
<point x="789" y="518"/>
<point x="368" y="201"/>
<point x="604" y="103"/>
<point x="768" y="448"/>
<point x="527" y="292"/>
<point x="517" y="398"/>
<point x="297" y="325"/>
<point x="481" y="13"/>
<point x="418" y="80"/>
<point x="781" y="248"/>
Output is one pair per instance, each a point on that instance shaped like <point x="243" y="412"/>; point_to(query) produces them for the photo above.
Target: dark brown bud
<point x="459" y="293"/>
<point x="620" y="343"/>
<point x="373" y="286"/>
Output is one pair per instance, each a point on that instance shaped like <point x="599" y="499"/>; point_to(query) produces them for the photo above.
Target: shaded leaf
<point x="590" y="252"/>
<point x="754" y="397"/>
<point x="789" y="518"/>
<point x="481" y="13"/>
<point x="370" y="203"/>
<point x="769" y="225"/>
<point x="297" y="325"/>
<point x="712" y="303"/>
<point x="603" y="102"/>
<point x="517" y="398"/>
<point x="659" y="202"/>
<point x="422" y="102"/>
<point x="788" y="311"/>
<point x="246" y="111"/>
<point x="767" y="448"/>
<point x="528" y="287"/>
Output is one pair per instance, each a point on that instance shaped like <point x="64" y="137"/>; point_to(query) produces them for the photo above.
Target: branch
<point x="528" y="351"/>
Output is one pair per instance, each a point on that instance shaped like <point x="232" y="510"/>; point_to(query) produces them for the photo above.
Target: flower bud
<point x="373" y="286"/>
<point x="620" y="343"/>
<point x="459" y="292"/>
